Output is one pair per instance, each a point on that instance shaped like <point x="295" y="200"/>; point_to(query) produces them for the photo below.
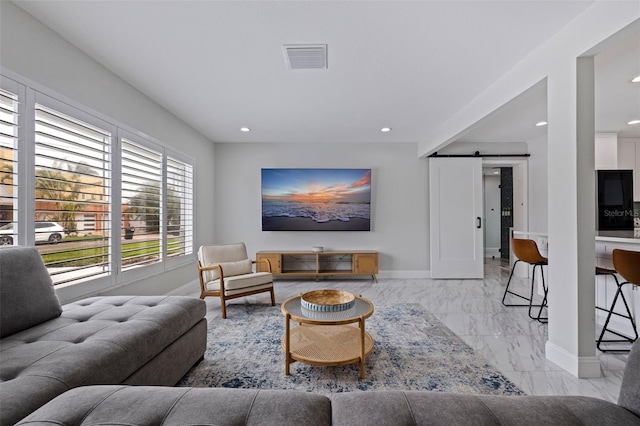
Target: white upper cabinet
<point x="606" y="147"/>
<point x="629" y="159"/>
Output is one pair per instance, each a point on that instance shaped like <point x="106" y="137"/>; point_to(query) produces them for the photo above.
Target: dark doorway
<point x="506" y="207"/>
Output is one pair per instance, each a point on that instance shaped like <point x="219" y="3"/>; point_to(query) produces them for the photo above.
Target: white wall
<point x="32" y="51"/>
<point x="538" y="181"/>
<point x="399" y="221"/>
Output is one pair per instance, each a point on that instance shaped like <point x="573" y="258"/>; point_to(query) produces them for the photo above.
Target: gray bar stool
<point x="627" y="265"/>
<point x="527" y="251"/>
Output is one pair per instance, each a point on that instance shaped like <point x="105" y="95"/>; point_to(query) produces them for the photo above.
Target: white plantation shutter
<point x="72" y="189"/>
<point x="179" y="207"/>
<point x="8" y="167"/>
<point x="142" y="201"/>
<point x="65" y="188"/>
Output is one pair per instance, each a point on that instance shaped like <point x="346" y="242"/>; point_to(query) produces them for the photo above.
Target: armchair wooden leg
<point x="273" y="298"/>
<point x="224" y="308"/>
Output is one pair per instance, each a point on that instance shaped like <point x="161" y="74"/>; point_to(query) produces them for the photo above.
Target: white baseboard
<point x="586" y="367"/>
<point x="404" y="274"/>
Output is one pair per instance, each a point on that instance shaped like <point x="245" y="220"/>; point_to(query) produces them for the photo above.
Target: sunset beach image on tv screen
<point x="316" y="199"/>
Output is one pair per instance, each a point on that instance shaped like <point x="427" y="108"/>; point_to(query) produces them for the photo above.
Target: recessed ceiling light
<point x="636" y="79"/>
<point x="385" y="129"/>
<point x="634" y="122"/>
<point x="541" y="123"/>
<point x="245" y="129"/>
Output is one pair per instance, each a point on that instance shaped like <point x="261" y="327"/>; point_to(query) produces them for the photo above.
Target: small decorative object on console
<point x="317" y="249"/>
<point x="327" y="300"/>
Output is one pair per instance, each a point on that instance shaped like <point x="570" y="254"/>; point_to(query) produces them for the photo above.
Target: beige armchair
<point x="226" y="272"/>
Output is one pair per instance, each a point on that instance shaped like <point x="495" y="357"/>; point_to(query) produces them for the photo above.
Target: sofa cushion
<point x="100" y="340"/>
<point x="27" y="297"/>
<point x="439" y="408"/>
<point x="183" y="406"/>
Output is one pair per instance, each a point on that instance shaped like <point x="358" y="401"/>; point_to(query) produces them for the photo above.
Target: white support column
<point x="571" y="342"/>
<point x="586" y="218"/>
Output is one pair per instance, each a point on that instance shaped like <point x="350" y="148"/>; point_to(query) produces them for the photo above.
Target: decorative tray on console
<point x="327" y="300"/>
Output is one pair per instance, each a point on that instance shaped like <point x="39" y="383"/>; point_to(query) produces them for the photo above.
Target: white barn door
<point x="455" y="207"/>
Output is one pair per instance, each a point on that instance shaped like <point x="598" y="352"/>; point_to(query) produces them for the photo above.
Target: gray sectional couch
<point x="226" y="407"/>
<point x="90" y="351"/>
<point x="47" y="349"/>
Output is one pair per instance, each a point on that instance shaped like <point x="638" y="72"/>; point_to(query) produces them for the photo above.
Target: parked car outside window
<point x="49" y="232"/>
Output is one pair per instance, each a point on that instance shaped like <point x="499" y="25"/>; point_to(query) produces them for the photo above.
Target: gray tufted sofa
<point x="159" y="405"/>
<point x="47" y="349"/>
<point x="101" y="405"/>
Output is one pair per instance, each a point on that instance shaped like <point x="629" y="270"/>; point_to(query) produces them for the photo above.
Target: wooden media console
<point x="318" y="264"/>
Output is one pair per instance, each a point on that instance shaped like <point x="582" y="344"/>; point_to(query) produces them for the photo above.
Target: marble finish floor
<point x="506" y="337"/>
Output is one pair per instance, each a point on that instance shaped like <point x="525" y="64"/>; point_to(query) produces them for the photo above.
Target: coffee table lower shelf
<point x="328" y="345"/>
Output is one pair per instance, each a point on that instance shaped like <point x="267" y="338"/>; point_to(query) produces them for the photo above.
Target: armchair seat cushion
<point x="243" y="282"/>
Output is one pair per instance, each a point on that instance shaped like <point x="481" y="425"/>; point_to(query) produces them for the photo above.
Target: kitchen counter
<point x="631" y="237"/>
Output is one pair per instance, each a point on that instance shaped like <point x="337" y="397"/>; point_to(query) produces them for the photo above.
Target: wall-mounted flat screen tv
<point x="316" y="199"/>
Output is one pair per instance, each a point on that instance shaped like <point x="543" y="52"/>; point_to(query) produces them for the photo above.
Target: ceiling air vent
<point x="305" y="56"/>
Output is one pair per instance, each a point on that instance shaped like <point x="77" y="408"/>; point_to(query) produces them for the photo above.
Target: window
<point x="142" y="205"/>
<point x="72" y="164"/>
<point x="179" y="207"/>
<point x="98" y="216"/>
<point x="8" y="166"/>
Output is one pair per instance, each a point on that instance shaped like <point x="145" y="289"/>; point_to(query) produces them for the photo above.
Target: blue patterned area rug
<point x="413" y="350"/>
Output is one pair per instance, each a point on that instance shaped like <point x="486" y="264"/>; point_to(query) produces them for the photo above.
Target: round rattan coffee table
<point x="327" y="338"/>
